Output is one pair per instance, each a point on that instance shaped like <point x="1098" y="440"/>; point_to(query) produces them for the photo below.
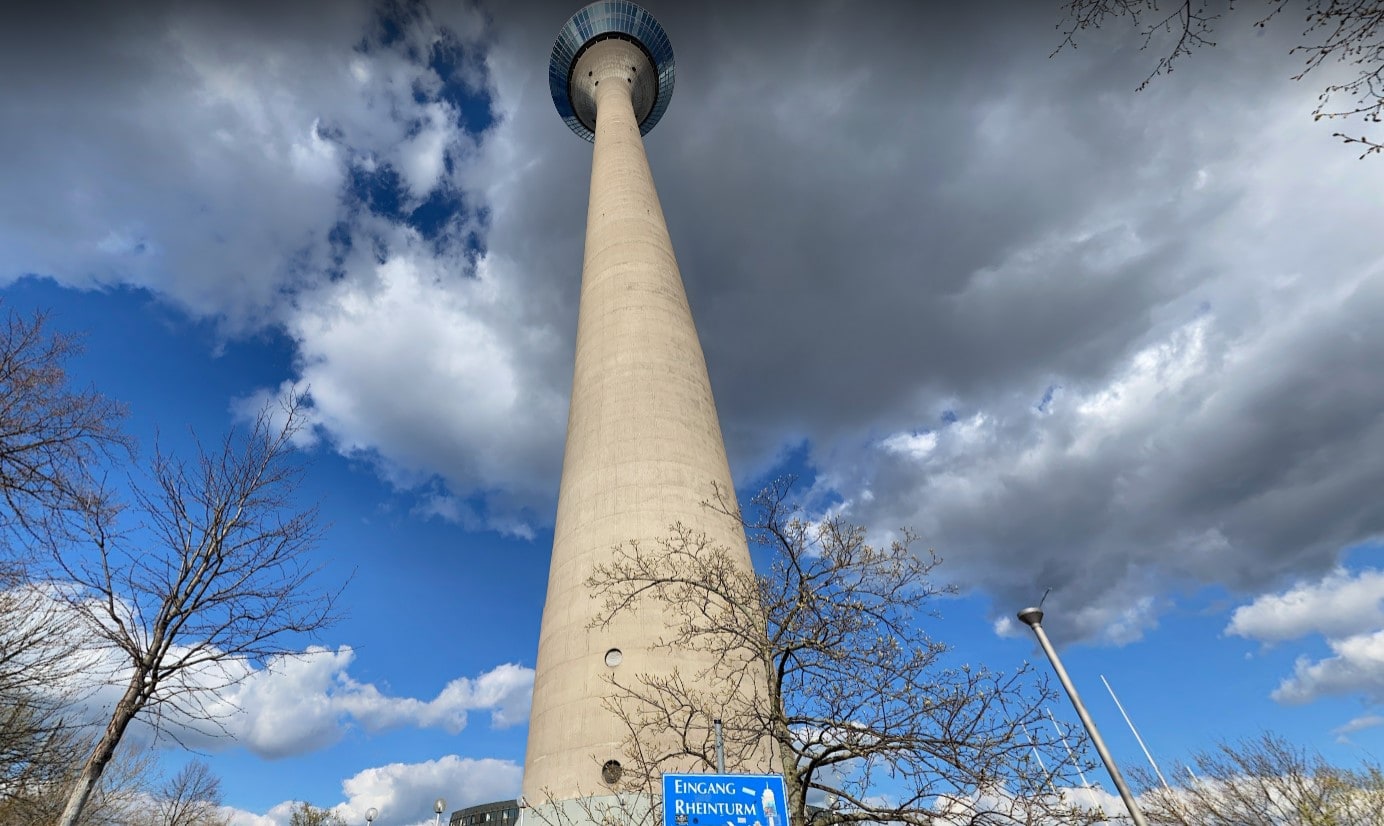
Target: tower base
<point x="622" y="809"/>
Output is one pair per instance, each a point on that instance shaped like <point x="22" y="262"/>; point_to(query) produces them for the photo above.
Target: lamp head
<point x="371" y="813"/>
<point x="1031" y="616"/>
<point x="439" y="805"/>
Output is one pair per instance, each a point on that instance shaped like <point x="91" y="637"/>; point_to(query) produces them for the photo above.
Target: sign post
<point x="724" y="800"/>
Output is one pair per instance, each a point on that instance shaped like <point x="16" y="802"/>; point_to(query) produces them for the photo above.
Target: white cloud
<point x="1344" y="607"/>
<point x="1361" y="723"/>
<point x="211" y="182"/>
<point x="1340" y="605"/>
<point x="304" y="703"/>
<point x="1356" y="667"/>
<point x="403" y="793"/>
<point x="236" y="817"/>
<point x="227" y="181"/>
<point x="294" y="705"/>
<point x="422" y="157"/>
<point x="430" y="371"/>
<point x="1176" y="466"/>
<point x="1001" y="805"/>
<point x="913" y="445"/>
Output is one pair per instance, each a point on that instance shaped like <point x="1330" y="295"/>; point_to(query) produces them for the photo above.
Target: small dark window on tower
<point x="611" y="772"/>
<point x="588" y="74"/>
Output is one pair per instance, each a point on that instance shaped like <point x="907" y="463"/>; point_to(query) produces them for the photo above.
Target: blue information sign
<point x="724" y="800"/>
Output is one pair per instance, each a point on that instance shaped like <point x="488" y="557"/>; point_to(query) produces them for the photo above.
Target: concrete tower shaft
<point x="644" y="447"/>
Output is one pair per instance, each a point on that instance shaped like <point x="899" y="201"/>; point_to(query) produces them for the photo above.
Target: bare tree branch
<point x="216" y="580"/>
<point x="305" y="814"/>
<point x="1264" y="780"/>
<point x="192" y="797"/>
<point x="119" y="799"/>
<point x="53" y="441"/>
<point x="1335" y="31"/>
<point x="836" y="672"/>
<point x="52" y="438"/>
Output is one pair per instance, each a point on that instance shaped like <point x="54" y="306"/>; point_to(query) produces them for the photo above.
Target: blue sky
<point x="1118" y="345"/>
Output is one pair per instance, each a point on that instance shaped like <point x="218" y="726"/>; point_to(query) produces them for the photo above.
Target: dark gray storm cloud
<point x="886" y="215"/>
<point x="1118" y="344"/>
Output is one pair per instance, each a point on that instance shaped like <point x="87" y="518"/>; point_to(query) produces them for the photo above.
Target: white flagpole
<point x="1085" y="784"/>
<point x="1033" y="745"/>
<point x="1130" y="722"/>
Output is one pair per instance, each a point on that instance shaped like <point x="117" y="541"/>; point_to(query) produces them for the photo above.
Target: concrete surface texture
<point x="644" y="446"/>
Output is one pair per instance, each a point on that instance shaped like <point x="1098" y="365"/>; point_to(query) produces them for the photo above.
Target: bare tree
<point x="217" y="578"/>
<point x="43" y="647"/>
<point x="34" y="751"/>
<point x="870" y="719"/>
<point x="119" y="799"/>
<point x="53" y="440"/>
<point x="51" y="436"/>
<point x="305" y="814"/>
<point x="1269" y="781"/>
<point x="192" y="797"/>
<point x="1335" y="31"/>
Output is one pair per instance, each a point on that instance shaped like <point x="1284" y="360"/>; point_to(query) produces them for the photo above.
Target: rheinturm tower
<point x="644" y="448"/>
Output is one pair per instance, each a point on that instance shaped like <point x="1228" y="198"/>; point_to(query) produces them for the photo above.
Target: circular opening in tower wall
<point x="611" y="772"/>
<point x="613" y="657"/>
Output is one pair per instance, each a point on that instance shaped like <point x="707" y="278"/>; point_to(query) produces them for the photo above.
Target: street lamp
<point x="370" y="815"/>
<point x="438" y="807"/>
<point x="1033" y="618"/>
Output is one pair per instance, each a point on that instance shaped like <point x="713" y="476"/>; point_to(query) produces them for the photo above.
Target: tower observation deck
<point x="644" y="449"/>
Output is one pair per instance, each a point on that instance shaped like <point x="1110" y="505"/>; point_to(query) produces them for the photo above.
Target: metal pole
<point x="1038" y="756"/>
<point x="1130" y="723"/>
<point x="1033" y="618"/>
<point x="720" y="748"/>
<point x="1071" y="755"/>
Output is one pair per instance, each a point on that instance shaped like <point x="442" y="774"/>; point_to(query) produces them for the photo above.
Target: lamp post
<point x="370" y="815"/>
<point x="438" y="807"/>
<point x="1033" y="618"/>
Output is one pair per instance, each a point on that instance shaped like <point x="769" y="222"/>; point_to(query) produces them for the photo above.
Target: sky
<point x="1121" y="345"/>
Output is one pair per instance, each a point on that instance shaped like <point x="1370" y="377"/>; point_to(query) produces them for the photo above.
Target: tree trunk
<point x="796" y="804"/>
<point x="125" y="711"/>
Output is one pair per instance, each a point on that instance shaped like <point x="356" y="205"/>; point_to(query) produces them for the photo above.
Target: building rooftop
<point x="497" y="813"/>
